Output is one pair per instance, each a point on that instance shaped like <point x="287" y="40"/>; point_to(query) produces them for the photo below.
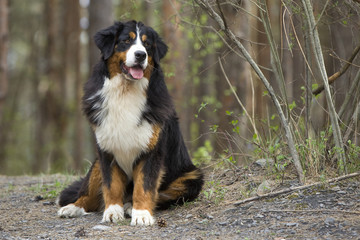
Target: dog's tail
<point x="71" y="193"/>
<point x="183" y="189"/>
<point x="84" y="193"/>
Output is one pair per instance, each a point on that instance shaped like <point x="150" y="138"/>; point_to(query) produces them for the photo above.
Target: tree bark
<point x="176" y="61"/>
<point x="100" y="16"/>
<point x="73" y="64"/>
<point x="4" y="45"/>
<point x="315" y="42"/>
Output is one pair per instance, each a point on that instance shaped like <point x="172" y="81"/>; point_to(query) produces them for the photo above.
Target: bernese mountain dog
<point x="142" y="163"/>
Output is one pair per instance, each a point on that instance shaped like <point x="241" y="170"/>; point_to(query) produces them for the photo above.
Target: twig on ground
<point x="291" y="189"/>
<point x="313" y="210"/>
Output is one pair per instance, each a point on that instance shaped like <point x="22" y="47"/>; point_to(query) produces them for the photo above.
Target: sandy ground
<point x="28" y="211"/>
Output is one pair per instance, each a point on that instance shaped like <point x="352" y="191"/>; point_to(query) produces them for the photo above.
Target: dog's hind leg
<point x="82" y="196"/>
<point x="183" y="189"/>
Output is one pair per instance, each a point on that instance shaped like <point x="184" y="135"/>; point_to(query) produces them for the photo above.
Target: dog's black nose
<point x="140" y="56"/>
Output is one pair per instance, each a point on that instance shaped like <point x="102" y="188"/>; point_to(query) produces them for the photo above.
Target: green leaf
<point x="292" y="105"/>
<point x="229" y="113"/>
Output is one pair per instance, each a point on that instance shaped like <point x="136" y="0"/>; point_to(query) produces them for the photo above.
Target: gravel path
<point x="28" y="211"/>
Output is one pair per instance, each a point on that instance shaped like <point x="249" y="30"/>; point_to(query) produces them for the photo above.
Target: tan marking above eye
<point x="132" y="35"/>
<point x="143" y="38"/>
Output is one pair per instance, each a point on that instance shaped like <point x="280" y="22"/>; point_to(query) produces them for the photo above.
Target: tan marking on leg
<point x="155" y="137"/>
<point x="141" y="200"/>
<point x="91" y="201"/>
<point x="144" y="200"/>
<point x="115" y="193"/>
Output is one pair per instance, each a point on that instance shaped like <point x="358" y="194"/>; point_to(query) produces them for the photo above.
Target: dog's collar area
<point x="133" y="73"/>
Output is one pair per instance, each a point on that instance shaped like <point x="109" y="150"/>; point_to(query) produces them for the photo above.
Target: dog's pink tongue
<point x="136" y="73"/>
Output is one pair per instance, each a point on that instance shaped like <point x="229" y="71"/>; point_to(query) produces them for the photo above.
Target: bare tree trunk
<point x="43" y="128"/>
<point x="72" y="62"/>
<point x="51" y="129"/>
<point x="100" y="16"/>
<point x="315" y="42"/>
<point x="4" y="44"/>
<point x="176" y="59"/>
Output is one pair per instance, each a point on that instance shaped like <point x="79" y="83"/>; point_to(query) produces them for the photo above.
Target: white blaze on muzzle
<point x="135" y="67"/>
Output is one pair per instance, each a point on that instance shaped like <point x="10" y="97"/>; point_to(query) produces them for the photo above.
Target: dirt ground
<point x="331" y="211"/>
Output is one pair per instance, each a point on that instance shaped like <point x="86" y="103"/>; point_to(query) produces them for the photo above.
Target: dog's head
<point x="130" y="48"/>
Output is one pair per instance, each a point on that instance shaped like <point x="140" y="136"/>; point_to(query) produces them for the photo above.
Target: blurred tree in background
<point x="226" y="113"/>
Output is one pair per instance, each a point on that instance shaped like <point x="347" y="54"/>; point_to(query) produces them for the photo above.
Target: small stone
<point x="329" y="221"/>
<point x="265" y="162"/>
<point x="223" y="223"/>
<point x="259" y="216"/>
<point x="341" y="192"/>
<point x="189" y="216"/>
<point x="101" y="227"/>
<point x="265" y="187"/>
<point x="210" y="216"/>
<point x="294" y="224"/>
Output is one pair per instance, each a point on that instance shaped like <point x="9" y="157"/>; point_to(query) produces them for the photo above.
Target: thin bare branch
<point x="284" y="122"/>
<point x="322" y="12"/>
<point x="338" y="74"/>
<point x="275" y="59"/>
<point x="292" y="189"/>
<point x="354" y="86"/>
<point x="238" y="99"/>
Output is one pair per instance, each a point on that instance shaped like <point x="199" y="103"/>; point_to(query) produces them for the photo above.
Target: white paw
<point x="141" y="218"/>
<point x="128" y="208"/>
<point x="114" y="213"/>
<point x="70" y="211"/>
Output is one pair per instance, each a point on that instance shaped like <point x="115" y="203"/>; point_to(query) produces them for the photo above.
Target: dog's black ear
<point x="160" y="50"/>
<point x="105" y="39"/>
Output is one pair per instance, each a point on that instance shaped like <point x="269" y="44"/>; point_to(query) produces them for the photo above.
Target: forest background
<point x="223" y="57"/>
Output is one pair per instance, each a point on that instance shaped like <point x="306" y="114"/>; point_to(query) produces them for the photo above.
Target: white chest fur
<point x="121" y="132"/>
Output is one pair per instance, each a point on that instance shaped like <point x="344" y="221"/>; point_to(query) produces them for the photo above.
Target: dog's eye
<point x="146" y="44"/>
<point x="127" y="41"/>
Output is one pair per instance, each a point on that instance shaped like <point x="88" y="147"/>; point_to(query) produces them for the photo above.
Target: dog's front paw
<point x="70" y="211"/>
<point x="141" y="218"/>
<point x="114" y="213"/>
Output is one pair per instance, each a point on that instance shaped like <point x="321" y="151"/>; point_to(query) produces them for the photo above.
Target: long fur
<point x="166" y="167"/>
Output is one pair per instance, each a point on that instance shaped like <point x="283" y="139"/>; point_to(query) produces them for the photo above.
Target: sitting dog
<point x="142" y="162"/>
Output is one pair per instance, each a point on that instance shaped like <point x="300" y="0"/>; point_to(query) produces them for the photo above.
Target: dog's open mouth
<point x="135" y="72"/>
